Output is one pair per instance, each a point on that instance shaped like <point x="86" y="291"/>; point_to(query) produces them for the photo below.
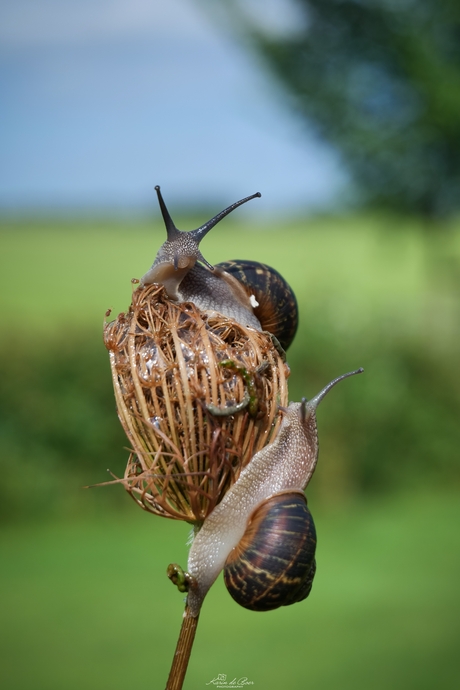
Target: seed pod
<point x="181" y="381"/>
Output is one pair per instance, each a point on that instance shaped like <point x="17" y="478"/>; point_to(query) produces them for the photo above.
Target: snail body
<point x="218" y="291"/>
<point x="286" y="465"/>
<point x="250" y="293"/>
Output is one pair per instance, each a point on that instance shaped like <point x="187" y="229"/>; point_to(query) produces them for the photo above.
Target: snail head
<point x="178" y="255"/>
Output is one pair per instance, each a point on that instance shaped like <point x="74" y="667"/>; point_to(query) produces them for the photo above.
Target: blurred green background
<point x="345" y="115"/>
<point x="85" y="598"/>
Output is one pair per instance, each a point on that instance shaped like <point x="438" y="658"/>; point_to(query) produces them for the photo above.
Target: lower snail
<point x="246" y="533"/>
<point x="251" y="293"/>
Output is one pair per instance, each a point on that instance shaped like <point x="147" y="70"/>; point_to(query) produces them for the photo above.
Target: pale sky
<point x="103" y="99"/>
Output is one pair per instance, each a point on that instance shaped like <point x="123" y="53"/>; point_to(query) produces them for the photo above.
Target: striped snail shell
<point x="273" y="300"/>
<point x="274" y="563"/>
<point x="250" y="293"/>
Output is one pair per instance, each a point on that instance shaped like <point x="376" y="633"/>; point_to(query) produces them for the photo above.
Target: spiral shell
<point x="276" y="307"/>
<point x="274" y="563"/>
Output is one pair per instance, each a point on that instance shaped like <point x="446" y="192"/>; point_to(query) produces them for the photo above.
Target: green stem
<point x="183" y="651"/>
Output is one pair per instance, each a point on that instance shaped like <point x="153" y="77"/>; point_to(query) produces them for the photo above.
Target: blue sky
<point x="103" y="99"/>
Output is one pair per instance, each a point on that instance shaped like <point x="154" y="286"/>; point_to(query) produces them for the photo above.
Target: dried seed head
<point x="175" y="370"/>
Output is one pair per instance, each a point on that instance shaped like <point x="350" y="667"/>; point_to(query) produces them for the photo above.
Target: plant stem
<point x="183" y="651"/>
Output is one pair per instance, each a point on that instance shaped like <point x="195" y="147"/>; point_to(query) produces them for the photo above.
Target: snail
<point x="253" y="294"/>
<point x="261" y="533"/>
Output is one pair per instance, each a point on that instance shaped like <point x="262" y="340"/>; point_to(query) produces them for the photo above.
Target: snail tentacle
<point x="179" y="254"/>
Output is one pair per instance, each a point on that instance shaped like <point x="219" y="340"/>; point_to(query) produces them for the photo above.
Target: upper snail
<point x="251" y="293"/>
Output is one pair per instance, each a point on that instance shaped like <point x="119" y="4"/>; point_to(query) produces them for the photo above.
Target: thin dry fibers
<point x="165" y="359"/>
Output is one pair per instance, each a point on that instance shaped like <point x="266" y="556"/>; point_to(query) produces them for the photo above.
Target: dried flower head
<point x="197" y="395"/>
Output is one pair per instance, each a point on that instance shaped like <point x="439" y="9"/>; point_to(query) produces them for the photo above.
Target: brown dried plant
<point x="197" y="395"/>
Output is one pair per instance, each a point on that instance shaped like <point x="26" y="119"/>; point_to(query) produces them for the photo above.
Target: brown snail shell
<point x="274" y="563"/>
<point x="276" y="307"/>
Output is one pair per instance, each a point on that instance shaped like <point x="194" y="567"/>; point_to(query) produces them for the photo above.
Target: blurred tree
<point x="378" y="79"/>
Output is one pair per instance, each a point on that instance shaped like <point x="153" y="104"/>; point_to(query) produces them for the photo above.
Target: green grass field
<point x="350" y="271"/>
<point x="84" y="598"/>
<point x="88" y="605"/>
<point x="57" y="272"/>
